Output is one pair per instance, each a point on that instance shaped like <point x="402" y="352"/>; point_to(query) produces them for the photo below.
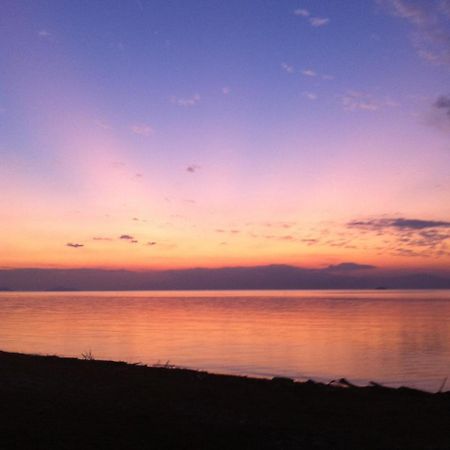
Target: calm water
<point x="398" y="337"/>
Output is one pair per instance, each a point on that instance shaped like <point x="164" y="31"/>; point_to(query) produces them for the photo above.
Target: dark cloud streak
<point x="398" y="222"/>
<point x="74" y="245"/>
<point x="443" y="103"/>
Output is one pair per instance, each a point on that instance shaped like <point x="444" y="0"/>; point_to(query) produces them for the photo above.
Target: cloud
<point x="287" y="68"/>
<point x="444" y="6"/>
<point x="406" y="9"/>
<point x="151" y="243"/>
<point x="100" y="238"/>
<point x="362" y="101"/>
<point x="44" y="34"/>
<point x="103" y="124"/>
<point x="193" y="168"/>
<point x="142" y="129"/>
<point x="226" y="90"/>
<point x="430" y="22"/>
<point x="310" y="95"/>
<point x="357" y="101"/>
<point x="349" y="267"/>
<point x="319" y="21"/>
<point x="274" y="237"/>
<point x="398" y="222"/>
<point x="312" y="74"/>
<point x="407" y="237"/>
<point x="70" y="244"/>
<point x="302" y="12"/>
<point x="221" y="230"/>
<point x="315" y="22"/>
<point x="443" y="104"/>
<point x="279" y="224"/>
<point x="309" y="73"/>
<point x="185" y="102"/>
<point x="126" y="237"/>
<point x="310" y="241"/>
<point x="439" y="114"/>
<point x="134" y="241"/>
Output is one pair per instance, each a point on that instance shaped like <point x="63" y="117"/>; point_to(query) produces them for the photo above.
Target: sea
<point x="395" y="338"/>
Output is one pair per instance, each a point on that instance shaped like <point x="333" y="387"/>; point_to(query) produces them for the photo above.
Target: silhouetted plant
<point x="165" y="365"/>
<point x="88" y="356"/>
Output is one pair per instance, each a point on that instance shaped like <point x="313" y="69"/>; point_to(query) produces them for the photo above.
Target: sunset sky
<point x="152" y="134"/>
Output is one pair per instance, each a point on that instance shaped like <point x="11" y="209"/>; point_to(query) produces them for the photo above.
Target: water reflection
<point x="393" y="337"/>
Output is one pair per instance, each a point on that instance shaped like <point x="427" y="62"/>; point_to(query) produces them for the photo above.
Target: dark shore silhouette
<point x="65" y="403"/>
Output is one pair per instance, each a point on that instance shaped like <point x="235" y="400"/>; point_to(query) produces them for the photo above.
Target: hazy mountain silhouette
<point x="258" y="277"/>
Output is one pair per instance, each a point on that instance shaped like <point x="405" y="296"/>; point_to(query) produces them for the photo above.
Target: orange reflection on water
<point x="395" y="337"/>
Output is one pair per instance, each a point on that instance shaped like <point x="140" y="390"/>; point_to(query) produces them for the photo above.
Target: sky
<point x="160" y="134"/>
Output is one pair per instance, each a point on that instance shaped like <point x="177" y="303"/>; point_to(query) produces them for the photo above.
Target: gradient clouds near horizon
<point x="170" y="134"/>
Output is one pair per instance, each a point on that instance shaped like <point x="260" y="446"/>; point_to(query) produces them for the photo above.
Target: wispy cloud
<point x="44" y="34"/>
<point x="309" y="73"/>
<point x="302" y="12"/>
<point x="192" y="168"/>
<point x="319" y="21"/>
<point x="103" y="124"/>
<point x="430" y="22"/>
<point x="408" y="237"/>
<point x="444" y="6"/>
<point x="126" y="237"/>
<point x="310" y="95"/>
<point x="407" y="9"/>
<point x="314" y="21"/>
<point x="151" y="243"/>
<point x="443" y="104"/>
<point x="439" y="114"/>
<point x="142" y="129"/>
<point x="362" y="101"/>
<point x="310" y="241"/>
<point x="399" y="222"/>
<point x="285" y="225"/>
<point x="118" y="164"/>
<point x="100" y="238"/>
<point x="74" y="245"/>
<point x="226" y="90"/>
<point x="287" y="68"/>
<point x="231" y="231"/>
<point x="185" y="101"/>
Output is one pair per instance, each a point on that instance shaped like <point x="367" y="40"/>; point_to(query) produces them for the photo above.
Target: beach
<point x="49" y="402"/>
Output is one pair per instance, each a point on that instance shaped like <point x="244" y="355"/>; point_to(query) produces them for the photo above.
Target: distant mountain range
<point x="341" y="276"/>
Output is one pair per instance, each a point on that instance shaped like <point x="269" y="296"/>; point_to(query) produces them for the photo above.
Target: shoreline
<point x="55" y="402"/>
<point x="277" y="289"/>
<point x="339" y="381"/>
